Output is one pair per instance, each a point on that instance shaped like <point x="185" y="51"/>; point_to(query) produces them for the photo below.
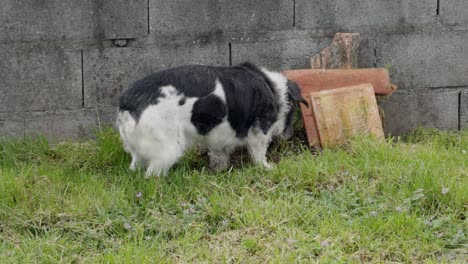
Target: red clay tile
<point x="314" y="80"/>
<point x="339" y="114"/>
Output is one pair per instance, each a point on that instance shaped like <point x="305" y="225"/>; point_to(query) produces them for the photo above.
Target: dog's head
<point x="293" y="100"/>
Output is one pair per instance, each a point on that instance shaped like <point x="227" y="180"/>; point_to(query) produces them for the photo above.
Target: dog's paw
<point x="218" y="166"/>
<point x="268" y="166"/>
<point x="218" y="161"/>
<point x="149" y="173"/>
<point x="154" y="173"/>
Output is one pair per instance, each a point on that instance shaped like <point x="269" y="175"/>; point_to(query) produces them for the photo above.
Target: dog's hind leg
<point x="219" y="159"/>
<point x="157" y="168"/>
<point x="257" y="144"/>
<point x="160" y="163"/>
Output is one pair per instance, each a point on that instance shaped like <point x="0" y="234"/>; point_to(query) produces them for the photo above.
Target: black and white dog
<point x="221" y="108"/>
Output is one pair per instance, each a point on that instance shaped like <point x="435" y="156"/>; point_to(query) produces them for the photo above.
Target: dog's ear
<point x="294" y="93"/>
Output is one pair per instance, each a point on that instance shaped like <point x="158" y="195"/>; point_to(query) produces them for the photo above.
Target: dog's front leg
<point x="257" y="144"/>
<point x="136" y="161"/>
<point x="219" y="159"/>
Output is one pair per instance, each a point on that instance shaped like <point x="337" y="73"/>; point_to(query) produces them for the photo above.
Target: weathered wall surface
<point x="63" y="63"/>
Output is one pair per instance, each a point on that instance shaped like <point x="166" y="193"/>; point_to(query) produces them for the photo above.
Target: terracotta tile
<point x="342" y="53"/>
<point x="339" y="114"/>
<point x="314" y="80"/>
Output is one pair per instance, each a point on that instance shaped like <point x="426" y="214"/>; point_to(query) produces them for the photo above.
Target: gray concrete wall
<point x="63" y="63"/>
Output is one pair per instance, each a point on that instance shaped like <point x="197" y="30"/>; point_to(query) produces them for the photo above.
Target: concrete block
<point x="11" y="126"/>
<point x="107" y="72"/>
<point x="106" y="116"/>
<point x="122" y="18"/>
<point x="464" y="109"/>
<point x="69" y="19"/>
<point x="364" y="16"/>
<point x="61" y="125"/>
<point x="40" y="80"/>
<point x="454" y="13"/>
<point x="366" y="58"/>
<point x="437" y="59"/>
<point x="405" y="111"/>
<point x="279" y="54"/>
<point x="178" y="17"/>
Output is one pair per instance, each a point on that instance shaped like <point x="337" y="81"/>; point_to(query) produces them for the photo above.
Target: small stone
<point x="120" y="42"/>
<point x="201" y="200"/>
<point x="399" y="209"/>
<point x="373" y="213"/>
<point x="325" y="243"/>
<point x="445" y="190"/>
<point x="127" y="226"/>
<point x="190" y="210"/>
<point x="291" y="241"/>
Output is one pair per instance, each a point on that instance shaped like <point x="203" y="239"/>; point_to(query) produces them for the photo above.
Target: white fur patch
<point x="168" y="90"/>
<point x="219" y="91"/>
<point x="281" y="86"/>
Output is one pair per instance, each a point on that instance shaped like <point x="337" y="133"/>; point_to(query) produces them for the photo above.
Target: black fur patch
<point x="207" y="113"/>
<point x="294" y="93"/>
<point x="182" y="101"/>
<point x="250" y="98"/>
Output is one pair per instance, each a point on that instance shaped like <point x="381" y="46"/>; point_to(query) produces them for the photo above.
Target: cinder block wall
<point x="63" y="63"/>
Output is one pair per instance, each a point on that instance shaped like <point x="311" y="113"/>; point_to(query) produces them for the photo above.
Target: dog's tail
<point x="126" y="125"/>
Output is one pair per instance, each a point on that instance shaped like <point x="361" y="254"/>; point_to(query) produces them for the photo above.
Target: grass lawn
<point x="402" y="200"/>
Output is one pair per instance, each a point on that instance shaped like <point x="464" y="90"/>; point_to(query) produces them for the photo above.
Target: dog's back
<point x="191" y="81"/>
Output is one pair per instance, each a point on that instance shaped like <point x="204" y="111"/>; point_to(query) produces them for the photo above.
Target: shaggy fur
<point x="164" y="114"/>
